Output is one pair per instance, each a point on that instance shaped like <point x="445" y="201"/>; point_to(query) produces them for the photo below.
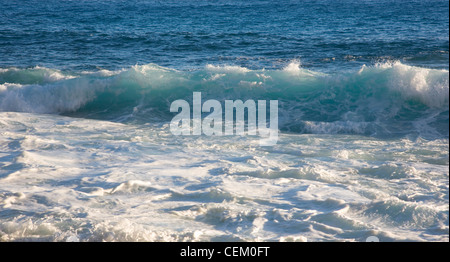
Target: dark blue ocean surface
<point x="325" y="35"/>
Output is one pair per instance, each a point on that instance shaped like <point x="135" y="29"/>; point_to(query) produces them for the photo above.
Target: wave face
<point x="381" y="100"/>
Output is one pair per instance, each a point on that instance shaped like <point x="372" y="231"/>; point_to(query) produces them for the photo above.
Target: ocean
<point x="86" y="147"/>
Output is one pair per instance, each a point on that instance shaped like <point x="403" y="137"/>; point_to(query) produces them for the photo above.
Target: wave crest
<point x="386" y="98"/>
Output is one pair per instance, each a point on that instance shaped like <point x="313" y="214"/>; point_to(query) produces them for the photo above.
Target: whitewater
<point x="89" y="156"/>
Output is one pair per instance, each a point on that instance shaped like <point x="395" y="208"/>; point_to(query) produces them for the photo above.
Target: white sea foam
<point x="69" y="179"/>
<point x="429" y="85"/>
<point x="227" y="68"/>
<point x="33" y="75"/>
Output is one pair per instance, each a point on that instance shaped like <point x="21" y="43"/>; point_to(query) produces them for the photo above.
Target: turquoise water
<point x="86" y="153"/>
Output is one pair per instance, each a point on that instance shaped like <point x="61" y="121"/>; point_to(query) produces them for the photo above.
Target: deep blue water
<point x="326" y="35"/>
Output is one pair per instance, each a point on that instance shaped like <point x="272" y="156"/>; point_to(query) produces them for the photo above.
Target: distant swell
<point x="383" y="99"/>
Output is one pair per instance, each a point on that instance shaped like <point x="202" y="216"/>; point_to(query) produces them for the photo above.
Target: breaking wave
<point x="384" y="99"/>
